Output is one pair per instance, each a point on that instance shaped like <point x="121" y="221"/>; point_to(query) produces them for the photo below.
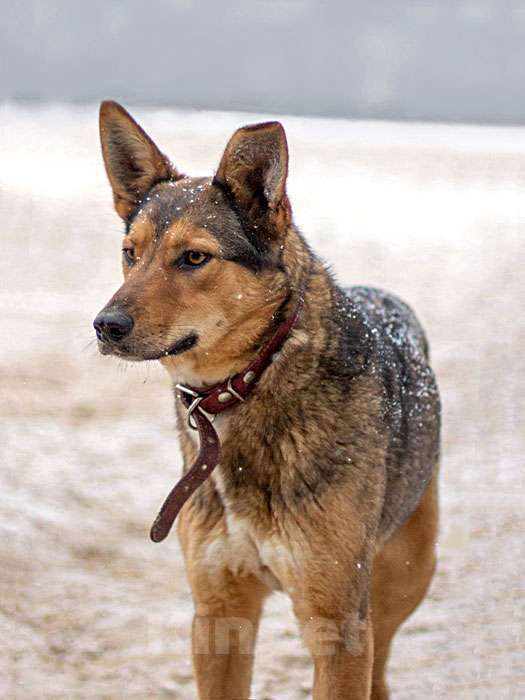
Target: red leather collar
<point x="203" y="402"/>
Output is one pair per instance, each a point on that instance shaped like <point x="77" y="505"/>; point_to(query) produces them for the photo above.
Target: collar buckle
<point x="232" y="391"/>
<point x="194" y="405"/>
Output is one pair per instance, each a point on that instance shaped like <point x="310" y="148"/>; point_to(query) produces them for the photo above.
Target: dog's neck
<point x="204" y="403"/>
<point x="211" y="371"/>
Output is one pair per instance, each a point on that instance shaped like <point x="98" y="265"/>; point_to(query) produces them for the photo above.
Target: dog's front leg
<point x="227" y="609"/>
<point x="227" y="612"/>
<point x="329" y="589"/>
<point x="342" y="652"/>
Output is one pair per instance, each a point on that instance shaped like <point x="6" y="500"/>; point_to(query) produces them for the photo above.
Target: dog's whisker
<point x="89" y="344"/>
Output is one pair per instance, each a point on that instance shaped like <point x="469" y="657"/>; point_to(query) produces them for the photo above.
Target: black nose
<point x="112" y="325"/>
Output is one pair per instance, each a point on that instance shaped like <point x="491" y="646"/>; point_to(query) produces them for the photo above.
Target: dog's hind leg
<point x="402" y="572"/>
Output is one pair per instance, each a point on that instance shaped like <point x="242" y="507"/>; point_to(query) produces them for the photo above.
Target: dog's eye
<point x="194" y="258"/>
<point x="129" y="255"/>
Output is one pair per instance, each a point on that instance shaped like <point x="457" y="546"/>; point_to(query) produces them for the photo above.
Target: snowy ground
<point x="89" y="608"/>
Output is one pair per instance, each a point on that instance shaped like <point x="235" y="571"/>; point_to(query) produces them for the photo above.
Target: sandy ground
<point x="89" y="607"/>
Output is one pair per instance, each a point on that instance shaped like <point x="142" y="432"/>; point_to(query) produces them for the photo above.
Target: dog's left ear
<point x="133" y="162"/>
<point x="254" y="168"/>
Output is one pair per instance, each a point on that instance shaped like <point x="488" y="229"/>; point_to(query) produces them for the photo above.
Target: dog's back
<point x="398" y="353"/>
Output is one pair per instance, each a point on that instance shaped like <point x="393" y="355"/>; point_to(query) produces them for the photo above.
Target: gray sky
<point x="448" y="60"/>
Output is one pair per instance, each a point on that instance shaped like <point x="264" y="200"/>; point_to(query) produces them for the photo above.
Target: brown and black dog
<point x="326" y="487"/>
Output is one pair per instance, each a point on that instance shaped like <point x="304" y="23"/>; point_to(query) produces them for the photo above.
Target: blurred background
<point x="448" y="60"/>
<point x="405" y="125"/>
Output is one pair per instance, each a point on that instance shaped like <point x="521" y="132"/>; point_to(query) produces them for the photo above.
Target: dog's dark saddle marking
<point x="204" y="402"/>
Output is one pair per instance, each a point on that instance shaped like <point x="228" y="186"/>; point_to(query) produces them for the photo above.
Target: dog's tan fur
<point x="318" y="493"/>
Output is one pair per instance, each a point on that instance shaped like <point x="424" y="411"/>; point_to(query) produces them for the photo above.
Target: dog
<point x="318" y="476"/>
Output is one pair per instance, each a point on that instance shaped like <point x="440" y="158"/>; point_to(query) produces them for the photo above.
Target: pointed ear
<point x="133" y="162"/>
<point x="254" y="168"/>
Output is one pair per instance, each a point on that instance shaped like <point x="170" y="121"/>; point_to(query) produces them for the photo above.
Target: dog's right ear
<point x="133" y="162"/>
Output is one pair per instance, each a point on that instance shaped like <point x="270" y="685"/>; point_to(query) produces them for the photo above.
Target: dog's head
<point x="202" y="257"/>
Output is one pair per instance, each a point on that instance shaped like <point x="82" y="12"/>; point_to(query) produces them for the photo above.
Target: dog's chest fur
<point x="243" y="552"/>
<point x="243" y="548"/>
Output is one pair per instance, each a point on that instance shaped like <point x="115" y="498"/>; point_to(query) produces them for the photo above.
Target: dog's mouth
<point x="180" y="346"/>
<point x="134" y="354"/>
